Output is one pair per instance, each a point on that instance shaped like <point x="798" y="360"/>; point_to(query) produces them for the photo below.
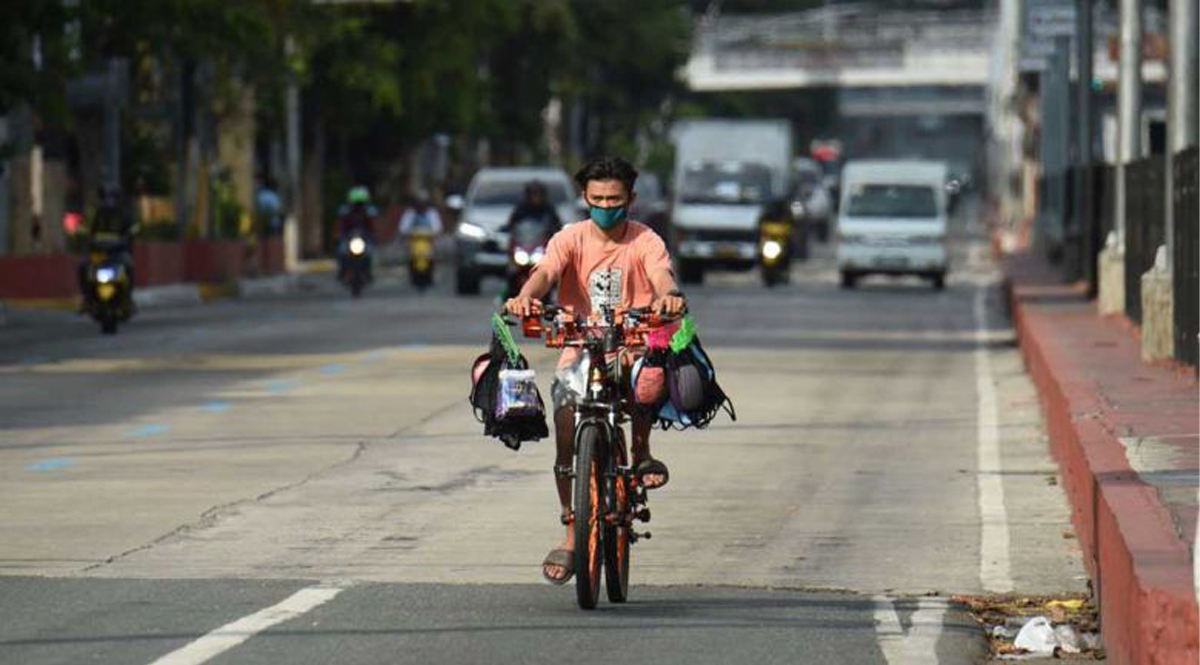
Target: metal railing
<point x="1186" y="259"/>
<point x="1145" y="226"/>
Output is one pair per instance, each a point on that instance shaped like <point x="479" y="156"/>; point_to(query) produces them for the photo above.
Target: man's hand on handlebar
<point x="523" y="306"/>
<point x="671" y="305"/>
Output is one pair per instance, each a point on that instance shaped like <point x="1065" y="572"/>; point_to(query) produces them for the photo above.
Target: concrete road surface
<point x="298" y="479"/>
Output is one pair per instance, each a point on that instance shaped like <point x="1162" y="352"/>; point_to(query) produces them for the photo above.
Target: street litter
<point x="1037" y="636"/>
<point x="1068" y="638"/>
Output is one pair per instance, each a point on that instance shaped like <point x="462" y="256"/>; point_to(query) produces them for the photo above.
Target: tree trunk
<point x="20" y="195"/>
<point x="311" y="196"/>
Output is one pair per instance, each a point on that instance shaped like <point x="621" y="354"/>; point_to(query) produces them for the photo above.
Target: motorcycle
<point x="527" y="247"/>
<point x="108" y="295"/>
<point x="356" y="269"/>
<point x="775" y="241"/>
<point x="420" y="259"/>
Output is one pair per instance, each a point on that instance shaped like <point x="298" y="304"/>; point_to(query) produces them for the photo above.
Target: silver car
<point x="491" y="197"/>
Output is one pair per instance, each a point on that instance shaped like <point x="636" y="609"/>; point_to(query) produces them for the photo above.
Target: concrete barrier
<point x="1139" y="563"/>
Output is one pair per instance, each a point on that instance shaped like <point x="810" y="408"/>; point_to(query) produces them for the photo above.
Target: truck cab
<point x="728" y="175"/>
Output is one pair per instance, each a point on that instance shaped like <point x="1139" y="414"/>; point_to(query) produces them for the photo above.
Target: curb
<point x="171" y="295"/>
<point x="1140" y="568"/>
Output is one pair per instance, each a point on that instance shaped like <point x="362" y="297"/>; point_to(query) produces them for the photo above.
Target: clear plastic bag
<point x="518" y="394"/>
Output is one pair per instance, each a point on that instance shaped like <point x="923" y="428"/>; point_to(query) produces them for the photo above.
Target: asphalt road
<point x="298" y="479"/>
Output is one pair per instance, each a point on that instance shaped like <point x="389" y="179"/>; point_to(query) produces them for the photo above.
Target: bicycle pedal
<point x="634" y="536"/>
<point x="643" y="515"/>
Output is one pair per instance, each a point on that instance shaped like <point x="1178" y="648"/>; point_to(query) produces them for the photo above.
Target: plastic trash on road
<point x="1037" y="636"/>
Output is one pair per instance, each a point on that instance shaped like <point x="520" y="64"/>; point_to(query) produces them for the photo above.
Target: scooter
<point x="527" y="247"/>
<point x="420" y="259"/>
<point x="775" y="242"/>
<point x="356" y="270"/>
<point x="108" y="295"/>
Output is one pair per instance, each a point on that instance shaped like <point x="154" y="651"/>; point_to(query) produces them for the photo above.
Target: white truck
<point x="727" y="174"/>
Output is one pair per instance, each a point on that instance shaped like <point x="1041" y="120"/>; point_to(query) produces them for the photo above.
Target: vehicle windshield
<point x="731" y="183"/>
<point x="511" y="192"/>
<point x="893" y="201"/>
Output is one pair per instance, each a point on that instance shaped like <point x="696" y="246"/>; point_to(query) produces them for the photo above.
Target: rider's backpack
<point x="695" y="397"/>
<point x="505" y="398"/>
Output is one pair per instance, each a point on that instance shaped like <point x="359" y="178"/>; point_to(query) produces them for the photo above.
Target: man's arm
<point x="667" y="298"/>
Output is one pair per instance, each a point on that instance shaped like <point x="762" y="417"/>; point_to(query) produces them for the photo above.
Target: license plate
<point x="892" y="262"/>
<point x="728" y="252"/>
<point x="106" y="291"/>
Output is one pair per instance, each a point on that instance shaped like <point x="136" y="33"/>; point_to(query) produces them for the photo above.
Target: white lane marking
<point x="994" y="566"/>
<point x="917" y="645"/>
<point x="232" y="634"/>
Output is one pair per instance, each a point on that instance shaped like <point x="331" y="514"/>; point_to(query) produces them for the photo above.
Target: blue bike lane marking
<point x="52" y="464"/>
<point x="147" y="431"/>
<point x="217" y="406"/>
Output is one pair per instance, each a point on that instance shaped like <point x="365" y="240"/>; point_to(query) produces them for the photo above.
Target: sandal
<point x="651" y="466"/>
<point x="563" y="559"/>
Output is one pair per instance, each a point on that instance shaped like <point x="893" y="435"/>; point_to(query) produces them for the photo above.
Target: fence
<point x="1145" y="226"/>
<point x="1186" y="260"/>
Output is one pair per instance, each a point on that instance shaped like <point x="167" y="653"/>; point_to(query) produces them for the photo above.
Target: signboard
<point x="1044" y="21"/>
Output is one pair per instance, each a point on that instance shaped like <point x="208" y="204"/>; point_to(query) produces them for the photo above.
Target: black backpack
<point x="485" y="396"/>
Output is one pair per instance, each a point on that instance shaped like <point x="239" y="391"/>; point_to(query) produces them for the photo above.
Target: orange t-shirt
<point x="591" y="270"/>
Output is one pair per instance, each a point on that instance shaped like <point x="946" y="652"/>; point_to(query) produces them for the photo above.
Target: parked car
<point x="811" y="200"/>
<point x="482" y="248"/>
<point x="892" y="220"/>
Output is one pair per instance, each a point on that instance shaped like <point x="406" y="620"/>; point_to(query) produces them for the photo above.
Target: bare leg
<point x="641" y="448"/>
<point x="564" y="436"/>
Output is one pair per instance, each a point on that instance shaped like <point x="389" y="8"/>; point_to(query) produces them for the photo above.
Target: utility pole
<point x="1083" y="226"/>
<point x="291" y="224"/>
<point x="1111" y="298"/>
<point x="1181" y="102"/>
<point x="1129" y="105"/>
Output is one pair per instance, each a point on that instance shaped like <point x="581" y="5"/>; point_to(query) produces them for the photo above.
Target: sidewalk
<point x="1125" y="435"/>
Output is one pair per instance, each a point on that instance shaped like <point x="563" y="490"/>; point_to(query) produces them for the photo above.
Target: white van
<point x="892" y="220"/>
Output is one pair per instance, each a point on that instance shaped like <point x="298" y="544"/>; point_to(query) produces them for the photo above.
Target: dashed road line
<point x="216" y="407"/>
<point x="232" y="634"/>
<point x="918" y="644"/>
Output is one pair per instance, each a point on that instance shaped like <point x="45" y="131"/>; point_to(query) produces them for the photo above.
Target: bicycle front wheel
<point x="588" y="504"/>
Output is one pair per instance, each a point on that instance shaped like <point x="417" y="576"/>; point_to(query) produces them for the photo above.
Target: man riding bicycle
<point x="608" y="261"/>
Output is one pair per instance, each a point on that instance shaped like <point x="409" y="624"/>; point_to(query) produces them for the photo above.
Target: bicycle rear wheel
<point x="587" y="504"/>
<point x="616" y="545"/>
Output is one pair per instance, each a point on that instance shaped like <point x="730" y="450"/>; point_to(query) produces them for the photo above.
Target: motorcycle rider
<point x="354" y="219"/>
<point x="421" y="216"/>
<point x="609" y="261"/>
<point x="110" y="232"/>
<point x="535" y="205"/>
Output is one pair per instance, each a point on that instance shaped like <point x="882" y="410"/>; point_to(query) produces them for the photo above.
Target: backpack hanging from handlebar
<point x="504" y="394"/>
<point x="694" y="398"/>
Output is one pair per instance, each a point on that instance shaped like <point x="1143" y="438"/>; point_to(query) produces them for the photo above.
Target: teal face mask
<point x="607" y="218"/>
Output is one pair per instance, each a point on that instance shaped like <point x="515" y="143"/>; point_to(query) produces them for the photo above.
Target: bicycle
<point x="606" y="505"/>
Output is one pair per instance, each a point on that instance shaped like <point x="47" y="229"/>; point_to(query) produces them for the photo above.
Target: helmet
<point x="358" y="195"/>
<point x="535" y="188"/>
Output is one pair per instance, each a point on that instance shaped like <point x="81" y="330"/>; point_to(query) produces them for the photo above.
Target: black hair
<point x="607" y="168"/>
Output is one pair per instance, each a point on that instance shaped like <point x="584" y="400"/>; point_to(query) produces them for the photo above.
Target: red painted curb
<point x="1139" y="566"/>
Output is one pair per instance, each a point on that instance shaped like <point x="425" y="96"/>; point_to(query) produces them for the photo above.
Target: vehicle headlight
<point x="538" y="255"/>
<point x="106" y="274"/>
<point x="772" y="250"/>
<point x="521" y="257"/>
<point x="358" y="246"/>
<point x="472" y="231"/>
